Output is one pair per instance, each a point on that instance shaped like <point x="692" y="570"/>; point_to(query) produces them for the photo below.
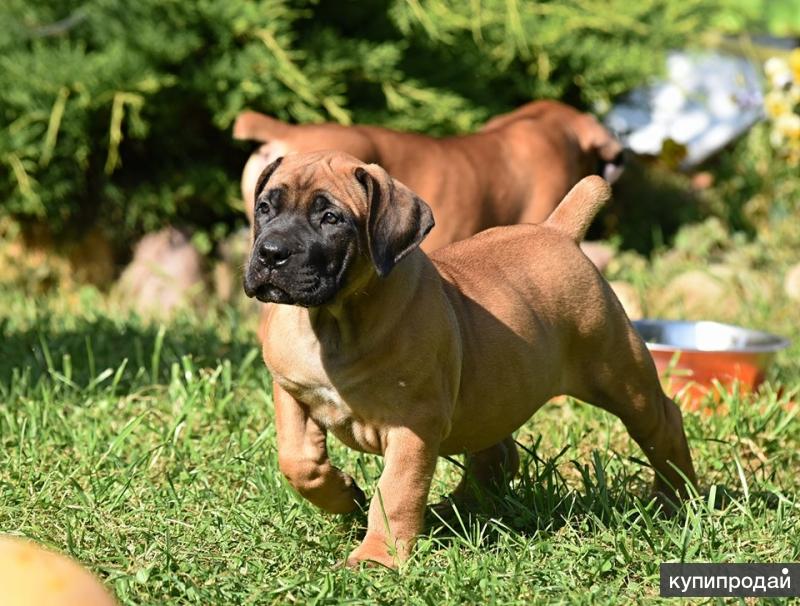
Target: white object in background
<point x="689" y="125"/>
<point x="706" y="101"/>
<point x="778" y="72"/>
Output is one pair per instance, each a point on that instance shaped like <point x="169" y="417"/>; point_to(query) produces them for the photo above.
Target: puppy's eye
<point x="330" y="218"/>
<point x="262" y="208"/>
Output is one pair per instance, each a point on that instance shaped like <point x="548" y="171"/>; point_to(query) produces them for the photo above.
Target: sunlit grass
<point x="148" y="454"/>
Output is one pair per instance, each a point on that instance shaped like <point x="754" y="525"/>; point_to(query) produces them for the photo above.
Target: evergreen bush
<point x="118" y="113"/>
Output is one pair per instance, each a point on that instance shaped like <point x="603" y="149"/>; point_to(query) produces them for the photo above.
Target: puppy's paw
<point x="376" y="560"/>
<point x="374" y="552"/>
<point x="371" y="559"/>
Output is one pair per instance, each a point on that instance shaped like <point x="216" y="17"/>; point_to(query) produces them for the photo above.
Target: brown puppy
<point x="601" y="153"/>
<point x="515" y="171"/>
<point x="413" y="357"/>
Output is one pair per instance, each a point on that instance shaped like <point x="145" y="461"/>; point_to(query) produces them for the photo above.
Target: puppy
<point x="413" y="356"/>
<point x="516" y="170"/>
<point x="602" y="154"/>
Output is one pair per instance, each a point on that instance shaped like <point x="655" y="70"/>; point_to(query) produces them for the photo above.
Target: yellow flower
<point x="794" y="64"/>
<point x="776" y="104"/>
<point x="788" y="126"/>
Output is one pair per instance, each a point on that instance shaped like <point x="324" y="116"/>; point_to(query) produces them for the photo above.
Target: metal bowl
<point x="691" y="356"/>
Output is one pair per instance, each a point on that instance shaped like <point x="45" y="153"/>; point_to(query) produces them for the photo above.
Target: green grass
<point x="148" y="454"/>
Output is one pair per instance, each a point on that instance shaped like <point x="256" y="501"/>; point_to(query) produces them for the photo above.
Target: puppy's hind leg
<point x="621" y="378"/>
<point x="658" y="429"/>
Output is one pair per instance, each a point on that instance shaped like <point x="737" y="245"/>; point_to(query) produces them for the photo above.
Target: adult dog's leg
<point x="397" y="509"/>
<point x="303" y="458"/>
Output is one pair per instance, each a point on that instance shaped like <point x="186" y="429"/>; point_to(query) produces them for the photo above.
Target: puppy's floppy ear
<point x="397" y="219"/>
<point x="597" y="139"/>
<point x="265" y="175"/>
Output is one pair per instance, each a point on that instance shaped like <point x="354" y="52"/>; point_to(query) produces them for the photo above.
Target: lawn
<point x="147" y="452"/>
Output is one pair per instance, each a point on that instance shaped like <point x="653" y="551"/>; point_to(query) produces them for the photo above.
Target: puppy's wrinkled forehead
<point x="303" y="176"/>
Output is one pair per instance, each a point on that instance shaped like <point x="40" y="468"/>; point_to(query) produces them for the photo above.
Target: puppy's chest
<point x="298" y="367"/>
<point x="312" y="387"/>
<point x="325" y="403"/>
<point x="328" y="408"/>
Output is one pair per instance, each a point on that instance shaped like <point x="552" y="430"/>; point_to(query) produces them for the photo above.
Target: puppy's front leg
<point x="398" y="506"/>
<point x="303" y="458"/>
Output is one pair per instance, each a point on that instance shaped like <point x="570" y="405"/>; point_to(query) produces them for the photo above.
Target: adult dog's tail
<point x="258" y="127"/>
<point x="576" y="211"/>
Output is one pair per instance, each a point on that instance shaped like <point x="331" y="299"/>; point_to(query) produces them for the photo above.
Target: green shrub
<point x="774" y="17"/>
<point x="119" y="112"/>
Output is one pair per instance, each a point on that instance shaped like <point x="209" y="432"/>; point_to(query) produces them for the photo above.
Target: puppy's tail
<point x="579" y="207"/>
<point x="258" y="127"/>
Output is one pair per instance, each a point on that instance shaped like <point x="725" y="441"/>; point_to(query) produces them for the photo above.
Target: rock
<point x="699" y="294"/>
<point x="166" y="273"/>
<point x="599" y="253"/>
<point x="629" y="297"/>
<point x="791" y="283"/>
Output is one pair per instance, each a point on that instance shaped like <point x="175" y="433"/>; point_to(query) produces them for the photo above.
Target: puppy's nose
<point x="273" y="254"/>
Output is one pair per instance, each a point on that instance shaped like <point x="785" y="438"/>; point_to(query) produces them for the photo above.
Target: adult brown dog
<point x="412" y="357"/>
<point x="515" y="171"/>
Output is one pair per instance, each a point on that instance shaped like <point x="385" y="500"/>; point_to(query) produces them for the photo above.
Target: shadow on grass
<point x="88" y="348"/>
<point x="541" y="501"/>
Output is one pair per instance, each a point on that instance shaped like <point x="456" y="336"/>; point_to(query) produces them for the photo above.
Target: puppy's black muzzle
<point x="275" y="260"/>
<point x="297" y="259"/>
